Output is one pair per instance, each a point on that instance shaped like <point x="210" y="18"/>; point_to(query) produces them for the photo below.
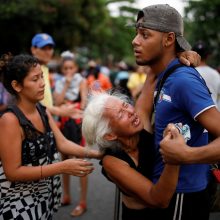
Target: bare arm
<point x="140" y="187"/>
<point x="68" y="110"/>
<point x="68" y="147"/>
<point x="59" y="97"/>
<point x="209" y="153"/>
<point x="83" y="93"/>
<point x="11" y="156"/>
<point x="144" y="103"/>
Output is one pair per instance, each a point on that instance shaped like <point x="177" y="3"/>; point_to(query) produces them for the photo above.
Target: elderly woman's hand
<point x="173" y="147"/>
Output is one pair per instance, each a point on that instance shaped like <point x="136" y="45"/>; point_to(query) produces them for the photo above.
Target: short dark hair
<point x="202" y="49"/>
<point x="15" y="68"/>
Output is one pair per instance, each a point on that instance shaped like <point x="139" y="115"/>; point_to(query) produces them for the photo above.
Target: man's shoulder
<point x="185" y="73"/>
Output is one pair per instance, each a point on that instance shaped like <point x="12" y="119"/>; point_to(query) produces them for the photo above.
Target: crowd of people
<point x="155" y="125"/>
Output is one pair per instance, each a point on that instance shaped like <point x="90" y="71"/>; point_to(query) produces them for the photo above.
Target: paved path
<point x="101" y="197"/>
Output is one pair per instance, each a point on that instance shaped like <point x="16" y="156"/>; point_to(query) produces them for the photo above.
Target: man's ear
<point x="16" y="86"/>
<point x="33" y="49"/>
<point x="169" y="39"/>
<point x="110" y="137"/>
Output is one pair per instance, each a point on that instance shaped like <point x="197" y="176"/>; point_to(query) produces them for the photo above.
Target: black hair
<point x="64" y="59"/>
<point x="15" y="68"/>
<point x="140" y="15"/>
<point x="202" y="49"/>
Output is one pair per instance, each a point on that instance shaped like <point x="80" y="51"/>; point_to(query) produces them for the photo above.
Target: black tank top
<point x="146" y="156"/>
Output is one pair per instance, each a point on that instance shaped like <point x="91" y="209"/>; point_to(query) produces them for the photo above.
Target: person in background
<point x="136" y="81"/>
<point x="42" y="47"/>
<point x="121" y="79"/>
<point x="97" y="80"/>
<point x="30" y="186"/>
<point x="5" y="98"/>
<point x="210" y="75"/>
<point x="72" y="88"/>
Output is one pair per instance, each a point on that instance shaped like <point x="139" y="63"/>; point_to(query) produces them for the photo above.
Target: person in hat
<point x="183" y="99"/>
<point x="42" y="47"/>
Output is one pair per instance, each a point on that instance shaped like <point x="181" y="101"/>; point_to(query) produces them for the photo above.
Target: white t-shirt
<point x="72" y="92"/>
<point x="212" y="79"/>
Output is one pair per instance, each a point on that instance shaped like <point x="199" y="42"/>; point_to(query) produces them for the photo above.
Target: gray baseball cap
<point x="163" y="18"/>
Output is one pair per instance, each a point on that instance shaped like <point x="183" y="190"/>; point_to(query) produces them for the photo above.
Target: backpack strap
<point x="167" y="74"/>
<point x="163" y="79"/>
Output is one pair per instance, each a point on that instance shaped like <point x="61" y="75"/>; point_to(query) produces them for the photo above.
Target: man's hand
<point x="189" y="58"/>
<point x="173" y="147"/>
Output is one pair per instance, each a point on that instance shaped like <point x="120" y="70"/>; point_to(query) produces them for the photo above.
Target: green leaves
<point x="203" y="23"/>
<point x="72" y="23"/>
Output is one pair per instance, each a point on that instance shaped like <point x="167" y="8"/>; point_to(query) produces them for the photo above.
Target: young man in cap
<point x="43" y="48"/>
<point x="183" y="100"/>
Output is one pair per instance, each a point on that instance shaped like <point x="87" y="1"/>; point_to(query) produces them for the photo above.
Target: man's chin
<point x="141" y="62"/>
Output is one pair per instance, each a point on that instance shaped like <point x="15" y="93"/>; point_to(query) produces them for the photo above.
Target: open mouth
<point x="137" y="51"/>
<point x="136" y="121"/>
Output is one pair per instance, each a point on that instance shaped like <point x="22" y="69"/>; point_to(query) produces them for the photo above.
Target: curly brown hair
<point x="15" y="68"/>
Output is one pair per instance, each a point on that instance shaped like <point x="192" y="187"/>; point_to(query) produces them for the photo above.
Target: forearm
<point x="71" y="148"/>
<point x="59" y="97"/>
<point x="162" y="192"/>
<point x="54" y="110"/>
<point x="205" y="154"/>
<point x="83" y="94"/>
<point x="144" y="103"/>
<point x="138" y="186"/>
<point x="33" y="173"/>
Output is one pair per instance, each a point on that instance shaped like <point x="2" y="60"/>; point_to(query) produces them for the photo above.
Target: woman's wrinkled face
<point x="123" y="119"/>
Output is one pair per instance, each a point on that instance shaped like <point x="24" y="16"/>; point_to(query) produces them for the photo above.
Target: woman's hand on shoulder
<point x="189" y="58"/>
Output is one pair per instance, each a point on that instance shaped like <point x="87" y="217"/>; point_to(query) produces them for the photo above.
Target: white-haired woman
<point x="113" y="124"/>
<point x="123" y="133"/>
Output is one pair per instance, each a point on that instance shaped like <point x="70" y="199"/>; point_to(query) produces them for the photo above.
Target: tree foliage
<point x="203" y="23"/>
<point x="75" y="24"/>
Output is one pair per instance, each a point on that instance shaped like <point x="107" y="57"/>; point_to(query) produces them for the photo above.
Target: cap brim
<point x="45" y="43"/>
<point x="183" y="43"/>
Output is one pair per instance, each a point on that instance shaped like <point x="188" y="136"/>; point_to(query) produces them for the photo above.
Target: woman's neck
<point x="130" y="143"/>
<point x="26" y="107"/>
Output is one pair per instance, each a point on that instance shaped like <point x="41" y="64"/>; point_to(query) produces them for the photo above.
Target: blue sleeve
<point x="190" y="92"/>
